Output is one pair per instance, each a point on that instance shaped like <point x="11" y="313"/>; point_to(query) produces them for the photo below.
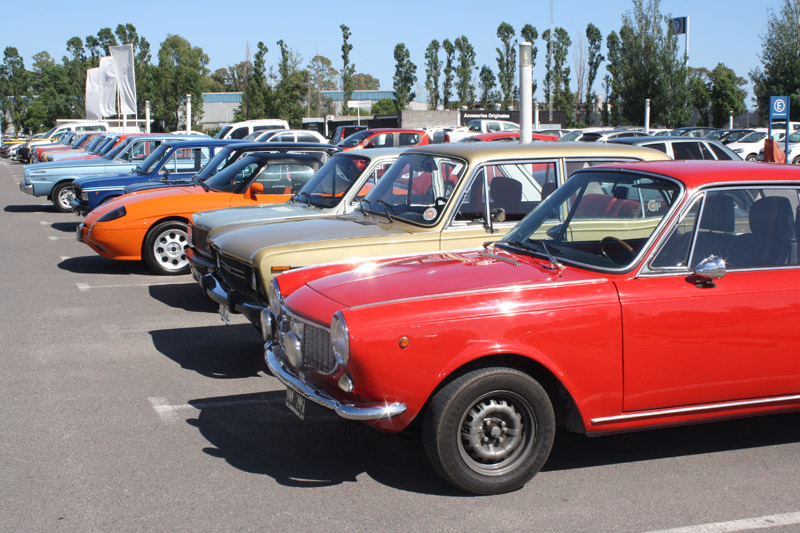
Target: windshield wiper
<point x="201" y="183"/>
<point x="308" y="197"/>
<point x="361" y="203"/>
<point x="550" y="257"/>
<point x="521" y="246"/>
<point x="389" y="208"/>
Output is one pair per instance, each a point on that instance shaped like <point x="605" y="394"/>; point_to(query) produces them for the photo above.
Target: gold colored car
<point x="433" y="198"/>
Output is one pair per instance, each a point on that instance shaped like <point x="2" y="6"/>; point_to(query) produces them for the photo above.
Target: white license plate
<point x="296" y="403"/>
<point x="224" y="314"/>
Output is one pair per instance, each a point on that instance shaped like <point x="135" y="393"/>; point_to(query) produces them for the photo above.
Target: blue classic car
<point x="54" y="179"/>
<point x="172" y="161"/>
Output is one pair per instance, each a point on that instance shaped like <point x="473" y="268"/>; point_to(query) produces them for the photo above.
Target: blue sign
<point x="778" y="107"/>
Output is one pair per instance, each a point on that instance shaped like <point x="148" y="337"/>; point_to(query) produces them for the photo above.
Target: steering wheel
<point x="619" y="242"/>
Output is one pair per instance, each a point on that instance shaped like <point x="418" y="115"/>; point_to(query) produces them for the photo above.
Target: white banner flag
<point x="126" y="77"/>
<point x="93" y="94"/>
<point x="108" y="84"/>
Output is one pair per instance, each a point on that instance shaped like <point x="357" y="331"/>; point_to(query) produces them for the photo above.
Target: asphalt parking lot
<point x="126" y="404"/>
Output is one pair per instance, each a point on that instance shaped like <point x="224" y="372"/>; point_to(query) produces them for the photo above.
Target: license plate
<point x="78" y="232"/>
<point x="296" y="403"/>
<point x="224" y="314"/>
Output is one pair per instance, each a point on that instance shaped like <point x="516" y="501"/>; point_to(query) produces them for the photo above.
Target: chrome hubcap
<point x="170" y="249"/>
<point x="66" y="195"/>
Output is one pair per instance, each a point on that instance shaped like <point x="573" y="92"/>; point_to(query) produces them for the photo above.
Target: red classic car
<point x="636" y="296"/>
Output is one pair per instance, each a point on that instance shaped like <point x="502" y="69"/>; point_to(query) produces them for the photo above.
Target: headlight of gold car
<point x="340" y="338"/>
<point x="274" y="298"/>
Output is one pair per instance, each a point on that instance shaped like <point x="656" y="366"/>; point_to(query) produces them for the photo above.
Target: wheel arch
<point x="60" y="181"/>
<point x="156" y="222"/>
<point x="566" y="410"/>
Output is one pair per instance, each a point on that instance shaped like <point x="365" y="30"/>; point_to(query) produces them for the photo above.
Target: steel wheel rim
<point x="497" y="433"/>
<point x="169" y="249"/>
<point x="65" y="195"/>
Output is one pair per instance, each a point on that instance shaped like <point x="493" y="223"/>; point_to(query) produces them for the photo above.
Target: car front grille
<point x="235" y="273"/>
<point x="318" y="350"/>
<point x="200" y="239"/>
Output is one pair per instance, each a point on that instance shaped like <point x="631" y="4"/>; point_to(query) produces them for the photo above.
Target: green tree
<point x="348" y="69"/>
<point x="529" y="33"/>
<point x="292" y="88"/>
<point x="256" y="96"/>
<point x="449" y="70"/>
<point x="700" y="94"/>
<point x="487" y="84"/>
<point x="181" y="70"/>
<point x="384" y="106"/>
<point x="76" y="66"/>
<point x="506" y="63"/>
<point x="727" y="95"/>
<point x="556" y="72"/>
<point x="466" y="65"/>
<point x="323" y="78"/>
<point x="404" y="77"/>
<point x="780" y="57"/>
<point x="15" y="86"/>
<point x="611" y="103"/>
<point x="52" y="85"/>
<point x="647" y="65"/>
<point x="365" y="82"/>
<point x="433" y="70"/>
<point x="595" y="40"/>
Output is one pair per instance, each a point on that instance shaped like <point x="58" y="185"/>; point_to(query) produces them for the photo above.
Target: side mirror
<point x="370" y="145"/>
<point x="708" y="270"/>
<point x="255" y="189"/>
<point x="499" y="214"/>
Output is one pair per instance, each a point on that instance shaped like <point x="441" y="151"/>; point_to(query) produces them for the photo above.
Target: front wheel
<point x="489" y="431"/>
<point x="62" y="194"/>
<point x="751" y="157"/>
<point x="165" y="248"/>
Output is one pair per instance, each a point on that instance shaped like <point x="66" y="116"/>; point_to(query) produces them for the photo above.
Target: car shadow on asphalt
<point x="220" y="352"/>
<point x="256" y="433"/>
<point x="186" y="295"/>
<point x="578" y="451"/>
<point x="94" y="264"/>
<point x="30" y="209"/>
<point x="66" y="227"/>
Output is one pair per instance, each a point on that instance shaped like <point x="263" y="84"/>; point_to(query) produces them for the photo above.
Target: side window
<point x="381" y="141"/>
<point x="240" y="133"/>
<point x="661" y="147"/>
<point x="720" y="153"/>
<point x="408" y="139"/>
<point x="675" y="252"/>
<point x="373" y="179"/>
<point x="306" y="138"/>
<point x="689" y="150"/>
<point x="509" y="127"/>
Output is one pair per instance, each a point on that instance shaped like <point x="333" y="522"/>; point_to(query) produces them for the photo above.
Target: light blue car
<point x="54" y="179"/>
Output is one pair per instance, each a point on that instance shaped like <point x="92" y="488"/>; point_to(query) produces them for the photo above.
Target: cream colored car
<point x="436" y="197"/>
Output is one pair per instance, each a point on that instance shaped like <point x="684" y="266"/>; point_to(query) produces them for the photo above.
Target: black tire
<point x="61" y="195"/>
<point x="796" y="160"/>
<point x="164" y="248"/>
<point x="751" y="157"/>
<point x="517" y="413"/>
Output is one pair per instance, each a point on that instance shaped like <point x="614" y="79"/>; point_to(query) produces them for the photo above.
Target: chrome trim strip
<point x="501" y="258"/>
<point x="695" y="409"/>
<point x="477" y="291"/>
<point x="304" y="320"/>
<point x="349" y="411"/>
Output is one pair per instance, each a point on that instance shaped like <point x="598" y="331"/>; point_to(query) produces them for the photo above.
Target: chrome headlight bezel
<point x="274" y="298"/>
<point x="340" y="338"/>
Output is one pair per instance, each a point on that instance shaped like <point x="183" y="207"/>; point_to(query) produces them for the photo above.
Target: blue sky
<point x="728" y="32"/>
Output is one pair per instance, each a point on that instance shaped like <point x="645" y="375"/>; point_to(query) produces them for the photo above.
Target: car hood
<point x="255" y="214"/>
<point x="103" y="180"/>
<point x="245" y="242"/>
<point x="447" y="273"/>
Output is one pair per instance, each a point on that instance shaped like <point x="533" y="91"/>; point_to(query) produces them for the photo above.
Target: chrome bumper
<point x="27" y="188"/>
<point x="234" y="301"/>
<point x="274" y="357"/>
<point x="200" y="265"/>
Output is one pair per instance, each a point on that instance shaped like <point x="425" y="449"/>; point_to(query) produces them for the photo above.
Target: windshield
<point x="794" y="137"/>
<point x="118" y="149"/>
<point x="149" y="165"/>
<point x="222" y="132"/>
<point x="571" y="136"/>
<point x="753" y="137"/>
<point x="598" y="219"/>
<point x="332" y="181"/>
<point x="354" y="139"/>
<point x="416" y="188"/>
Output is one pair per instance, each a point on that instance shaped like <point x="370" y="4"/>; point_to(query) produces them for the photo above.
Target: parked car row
<point x="479" y="293"/>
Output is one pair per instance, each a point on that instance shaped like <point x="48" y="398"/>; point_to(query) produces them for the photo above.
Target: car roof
<point x="663" y="138"/>
<point x="483" y="151"/>
<point x="280" y="158"/>
<point x="698" y="173"/>
<point x="202" y="142"/>
<point x="374" y="153"/>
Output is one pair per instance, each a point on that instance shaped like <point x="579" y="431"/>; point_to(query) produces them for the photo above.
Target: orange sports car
<point x="152" y="224"/>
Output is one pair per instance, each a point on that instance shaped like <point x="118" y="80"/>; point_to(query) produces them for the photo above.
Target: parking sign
<point x="778" y="107"/>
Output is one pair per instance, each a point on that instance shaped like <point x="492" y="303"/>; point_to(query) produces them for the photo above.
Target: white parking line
<point x="86" y="286"/>
<point x="171" y="413"/>
<point x="760" y="522"/>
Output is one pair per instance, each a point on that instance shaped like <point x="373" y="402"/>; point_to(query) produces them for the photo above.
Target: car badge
<point x="429" y="214"/>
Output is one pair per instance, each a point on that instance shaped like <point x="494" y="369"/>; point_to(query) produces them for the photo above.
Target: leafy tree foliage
<point x="292" y="88"/>
<point x="506" y="64"/>
<point x="257" y="95"/>
<point x="449" y="70"/>
<point x="487" y="84"/>
<point x="404" y="76"/>
<point x="384" y="106"/>
<point x="699" y="94"/>
<point x="645" y="65"/>
<point x="466" y="64"/>
<point x="15" y="83"/>
<point x="433" y="71"/>
<point x="348" y="69"/>
<point x="323" y="77"/>
<point x="780" y="56"/>
<point x="557" y="73"/>
<point x="365" y="82"/>
<point x="181" y="70"/>
<point x="727" y="95"/>
<point x="595" y="40"/>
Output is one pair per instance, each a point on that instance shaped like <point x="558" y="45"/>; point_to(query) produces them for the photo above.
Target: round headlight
<point x="274" y="297"/>
<point x="340" y="338"/>
<point x="266" y="325"/>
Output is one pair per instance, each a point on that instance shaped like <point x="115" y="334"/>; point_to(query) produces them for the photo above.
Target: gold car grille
<point x="200" y="239"/>
<point x="235" y="273"/>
